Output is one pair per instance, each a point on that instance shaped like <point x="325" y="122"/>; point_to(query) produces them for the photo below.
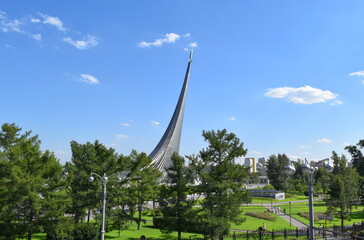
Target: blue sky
<point x="284" y="76"/>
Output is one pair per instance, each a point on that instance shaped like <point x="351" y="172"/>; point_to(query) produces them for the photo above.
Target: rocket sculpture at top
<point x="169" y="143"/>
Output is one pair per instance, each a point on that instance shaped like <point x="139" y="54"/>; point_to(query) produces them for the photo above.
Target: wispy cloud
<point x="305" y="153"/>
<point x="154" y="123"/>
<point x="302" y="95"/>
<point x="37" y="37"/>
<point x="8" y="46"/>
<point x="302" y="147"/>
<point x="35" y="20"/>
<point x="186" y="35"/>
<point x="125" y="124"/>
<point x="291" y="156"/>
<point x="121" y="136"/>
<point x="324" y="140"/>
<point x="169" y="38"/>
<point x="87" y="78"/>
<point x="86" y="43"/>
<point x="232" y="118"/>
<point x="255" y="153"/>
<point x="54" y="21"/>
<point x="8" y="25"/>
<point x="193" y="45"/>
<point x="358" y="73"/>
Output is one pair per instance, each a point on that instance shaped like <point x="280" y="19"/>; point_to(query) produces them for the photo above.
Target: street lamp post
<point x="290" y="169"/>
<point x="290" y="214"/>
<point x="104" y="180"/>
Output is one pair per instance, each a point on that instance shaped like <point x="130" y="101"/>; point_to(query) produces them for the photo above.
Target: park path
<point x="271" y="207"/>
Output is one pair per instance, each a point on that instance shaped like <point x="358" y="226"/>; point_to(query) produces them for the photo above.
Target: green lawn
<point x="253" y="223"/>
<point x="289" y="197"/>
<point x="320" y="207"/>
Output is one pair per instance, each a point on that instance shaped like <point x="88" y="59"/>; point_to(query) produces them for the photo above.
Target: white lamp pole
<point x="290" y="169"/>
<point x="104" y="180"/>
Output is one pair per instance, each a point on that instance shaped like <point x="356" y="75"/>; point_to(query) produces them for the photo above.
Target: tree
<point x="35" y="178"/>
<point x="174" y="202"/>
<point x="276" y="171"/>
<point x="357" y="156"/>
<point x="143" y="182"/>
<point x="221" y="182"/>
<point x="344" y="188"/>
<point x="87" y="158"/>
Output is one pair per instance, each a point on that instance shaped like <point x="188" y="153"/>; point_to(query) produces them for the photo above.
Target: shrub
<point x="268" y="187"/>
<point x="85" y="231"/>
<point x="261" y="215"/>
<point x="307" y="215"/>
<point x="68" y="231"/>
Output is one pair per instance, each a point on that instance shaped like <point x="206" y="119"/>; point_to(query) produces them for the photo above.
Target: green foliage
<point x="276" y="171"/>
<point x="88" y="158"/>
<point x="143" y="183"/>
<point x="175" y="207"/>
<point x="221" y="182"/>
<point x="357" y="156"/>
<point x="35" y="177"/>
<point x="60" y="230"/>
<point x="268" y="187"/>
<point x="84" y="231"/>
<point x="261" y="215"/>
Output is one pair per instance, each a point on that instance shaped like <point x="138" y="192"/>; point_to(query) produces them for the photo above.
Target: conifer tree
<point x="175" y="202"/>
<point x="221" y="182"/>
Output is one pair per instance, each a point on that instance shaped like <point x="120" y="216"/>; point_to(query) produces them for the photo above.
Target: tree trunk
<point x="139" y="210"/>
<point x="30" y="220"/>
<point x="88" y="216"/>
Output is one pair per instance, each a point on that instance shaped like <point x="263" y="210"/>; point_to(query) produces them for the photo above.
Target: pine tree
<point x="175" y="202"/>
<point x="30" y="180"/>
<point x="221" y="182"/>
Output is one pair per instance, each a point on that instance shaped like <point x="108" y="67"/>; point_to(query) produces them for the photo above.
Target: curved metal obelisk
<point x="169" y="143"/>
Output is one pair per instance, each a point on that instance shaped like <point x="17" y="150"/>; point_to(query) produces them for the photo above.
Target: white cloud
<point x="87" y="78"/>
<point x="301" y="95"/>
<point x="232" y="118"/>
<point x="305" y="153"/>
<point x="121" y="136"/>
<point x="154" y="123"/>
<point x="256" y="153"/>
<point x="35" y="20"/>
<point x="290" y="156"/>
<point x="9" y="46"/>
<point x="88" y="42"/>
<point x="55" y="21"/>
<point x="7" y="25"/>
<point x="37" y="37"/>
<point x="169" y="38"/>
<point x="60" y="152"/>
<point x="193" y="44"/>
<point x="125" y="124"/>
<point x="302" y="147"/>
<point x="186" y="35"/>
<point x="362" y="82"/>
<point x="336" y="102"/>
<point x="358" y="73"/>
<point x="324" y="140"/>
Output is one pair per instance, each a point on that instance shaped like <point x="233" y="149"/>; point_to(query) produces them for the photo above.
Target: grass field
<point x="320" y="207"/>
<point x="253" y="223"/>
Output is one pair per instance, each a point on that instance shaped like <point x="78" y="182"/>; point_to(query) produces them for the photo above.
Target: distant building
<point x="261" y="166"/>
<point x="251" y="163"/>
